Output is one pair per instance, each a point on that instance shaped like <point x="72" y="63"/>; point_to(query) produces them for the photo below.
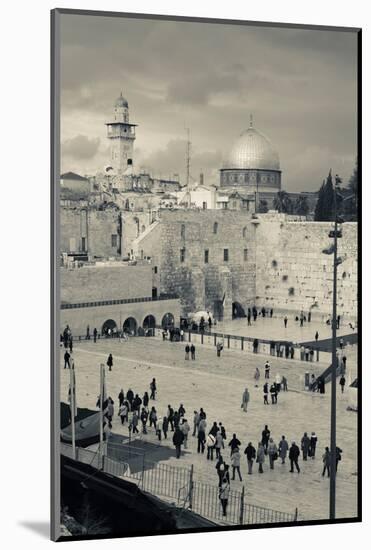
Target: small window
<point x="206" y="256"/>
<point x="215" y="229"/>
<point x="244" y="232"/>
<point x="114" y="241"/>
<point x="155" y="269"/>
<point x="83" y="244"/>
<point x="245" y="255"/>
<point x="204" y="205"/>
<point x="182" y="255"/>
<point x="130" y="162"/>
<point x="226" y="254"/>
<point x="182" y="231"/>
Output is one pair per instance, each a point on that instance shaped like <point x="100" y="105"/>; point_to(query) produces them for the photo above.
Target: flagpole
<point x="72" y="406"/>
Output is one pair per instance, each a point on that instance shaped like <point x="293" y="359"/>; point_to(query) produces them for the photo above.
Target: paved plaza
<point x="216" y="384"/>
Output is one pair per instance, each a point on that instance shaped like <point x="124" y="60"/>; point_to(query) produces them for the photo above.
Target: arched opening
<point x="109" y="328"/>
<point x="149" y="325"/>
<point x="237" y="311"/>
<point x="167" y="320"/>
<point x="130" y="326"/>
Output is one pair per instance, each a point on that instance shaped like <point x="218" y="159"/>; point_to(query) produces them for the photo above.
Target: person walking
<point x="137" y="403"/>
<point x="250" y="453"/>
<point x="272" y="452"/>
<point x="326" y="459"/>
<point x="245" y="400"/>
<point x="234" y="443"/>
<point x="224" y="494"/>
<point x="130" y="397"/>
<point x="178" y="439"/>
<point x="153" y="388"/>
<point x="266" y="433"/>
<point x="316" y="336"/>
<point x="236" y="463"/>
<point x="196" y="420"/>
<point x="294" y="454"/>
<point x="257" y="377"/>
<point x="144" y="418"/>
<point x="338" y="456"/>
<point x="341" y="343"/>
<point x="201" y="437"/>
<point x="313" y="445"/>
<point x="342" y="383"/>
<point x="145" y="399"/>
<point x="134" y="423"/>
<point x="87" y="337"/>
<point x="305" y="445"/>
<point x="193" y="352"/>
<point x="249" y="317"/>
<point x="222" y="470"/>
<point x="218" y="444"/>
<point x="283" y="447"/>
<point x="255" y="344"/>
<point x="285" y="321"/>
<point x="110" y="412"/>
<point x="110" y="362"/>
<point x="273" y="392"/>
<point x="267" y="369"/>
<point x="67" y="360"/>
<point x="210" y="444"/>
<point x="159" y="427"/>
<point x="265" y="393"/>
<point x="121" y="397"/>
<point x="153" y="418"/>
<point x="187" y="352"/>
<point x="165" y="425"/>
<point x="185" y="428"/>
<point x="223" y="433"/>
<point x="284" y="383"/>
<point x="260" y="457"/>
<point x="219" y="348"/>
<point x="123" y="412"/>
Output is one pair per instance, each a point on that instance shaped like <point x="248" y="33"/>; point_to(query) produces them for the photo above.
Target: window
<point x="130" y="162"/>
<point x="155" y="269"/>
<point x="226" y="255"/>
<point x="114" y="241"/>
<point x="83" y="244"/>
<point x="182" y="255"/>
<point x="182" y="231"/>
<point x="244" y="232"/>
<point x="204" y="205"/>
<point x="245" y="255"/>
<point x="206" y="256"/>
<point x="215" y="229"/>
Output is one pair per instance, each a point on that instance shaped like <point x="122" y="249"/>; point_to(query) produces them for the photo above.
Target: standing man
<point x="284" y="383"/>
<point x="257" y="377"/>
<point x="165" y="425"/>
<point x="294" y="454"/>
<point x="285" y="321"/>
<point x="305" y="445"/>
<point x="265" y="393"/>
<point x="266" y="433"/>
<point x="234" y="443"/>
<point x="170" y="416"/>
<point x="249" y="317"/>
<point x="184" y="427"/>
<point x="153" y="388"/>
<point x="342" y="383"/>
<point x="95" y="333"/>
<point x="250" y="453"/>
<point x="193" y="352"/>
<point x="260" y="459"/>
<point x="186" y="352"/>
<point x="87" y="337"/>
<point x="236" y="462"/>
<point x="326" y="459"/>
<point x="110" y="362"/>
<point x="201" y="437"/>
<point x="316" y="336"/>
<point x="67" y="359"/>
<point x="245" y="400"/>
<point x="313" y="445"/>
<point x="196" y="420"/>
<point x="178" y="439"/>
<point x="267" y="369"/>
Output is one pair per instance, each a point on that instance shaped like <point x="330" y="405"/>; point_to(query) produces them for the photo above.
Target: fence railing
<point x="177" y="483"/>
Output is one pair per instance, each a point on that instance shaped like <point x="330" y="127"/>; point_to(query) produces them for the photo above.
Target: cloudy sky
<point x="300" y="86"/>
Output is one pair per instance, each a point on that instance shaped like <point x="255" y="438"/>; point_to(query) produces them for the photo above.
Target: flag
<point x="223" y="301"/>
<point x="72" y="392"/>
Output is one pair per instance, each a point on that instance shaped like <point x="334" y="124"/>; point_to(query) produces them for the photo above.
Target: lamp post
<point x="335" y="235"/>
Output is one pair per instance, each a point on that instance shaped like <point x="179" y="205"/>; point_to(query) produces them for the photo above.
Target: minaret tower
<point x="121" y="135"/>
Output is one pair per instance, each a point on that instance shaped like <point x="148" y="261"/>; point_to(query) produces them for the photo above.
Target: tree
<point x="301" y="206"/>
<point x="324" y="211"/>
<point x="351" y="204"/>
<point x="318" y="212"/>
<point x="283" y="203"/>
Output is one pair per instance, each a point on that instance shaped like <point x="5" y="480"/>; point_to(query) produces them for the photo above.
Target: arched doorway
<point x="237" y="311"/>
<point x="109" y="328"/>
<point x="167" y="320"/>
<point x="130" y="326"/>
<point x="149" y="324"/>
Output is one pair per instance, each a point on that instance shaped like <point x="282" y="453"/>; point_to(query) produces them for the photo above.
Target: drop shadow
<point x="42" y="528"/>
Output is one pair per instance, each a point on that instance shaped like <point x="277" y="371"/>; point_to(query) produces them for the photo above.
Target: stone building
<point x="115" y="295"/>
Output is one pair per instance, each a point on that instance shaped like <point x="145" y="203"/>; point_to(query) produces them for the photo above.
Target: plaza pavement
<point x="217" y="386"/>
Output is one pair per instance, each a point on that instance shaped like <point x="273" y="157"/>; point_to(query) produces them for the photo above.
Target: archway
<point x="149" y="322"/>
<point x="109" y="327"/>
<point x="237" y="311"/>
<point x="130" y="326"/>
<point x="167" y="320"/>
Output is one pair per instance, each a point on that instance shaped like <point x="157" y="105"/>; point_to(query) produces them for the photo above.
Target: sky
<point x="300" y="85"/>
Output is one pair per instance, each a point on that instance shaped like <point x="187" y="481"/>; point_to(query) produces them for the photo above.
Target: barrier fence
<point x="177" y="484"/>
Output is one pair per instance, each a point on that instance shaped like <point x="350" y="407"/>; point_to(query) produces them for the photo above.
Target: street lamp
<point x="335" y="235"/>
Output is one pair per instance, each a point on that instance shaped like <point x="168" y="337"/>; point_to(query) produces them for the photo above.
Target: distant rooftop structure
<point x="72" y="176"/>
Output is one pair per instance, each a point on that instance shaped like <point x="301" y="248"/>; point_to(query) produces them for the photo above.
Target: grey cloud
<point x="80" y="147"/>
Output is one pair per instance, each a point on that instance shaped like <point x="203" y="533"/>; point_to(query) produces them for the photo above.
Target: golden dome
<point x="253" y="150"/>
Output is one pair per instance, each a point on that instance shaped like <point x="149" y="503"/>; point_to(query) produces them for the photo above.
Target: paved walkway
<point x="217" y="385"/>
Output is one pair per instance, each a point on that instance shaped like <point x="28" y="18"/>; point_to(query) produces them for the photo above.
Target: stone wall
<point x="107" y="282"/>
<point x="293" y="274"/>
<point x="202" y="285"/>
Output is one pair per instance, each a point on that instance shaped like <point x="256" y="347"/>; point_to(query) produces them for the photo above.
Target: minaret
<point x="121" y="135"/>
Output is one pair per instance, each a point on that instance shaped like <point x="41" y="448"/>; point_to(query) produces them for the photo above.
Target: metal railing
<point x="98" y="303"/>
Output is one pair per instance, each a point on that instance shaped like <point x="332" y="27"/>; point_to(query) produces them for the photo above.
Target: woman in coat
<point x="245" y="400"/>
<point x="272" y="453"/>
<point x="236" y="462"/>
<point x="110" y="362"/>
<point x="224" y="494"/>
<point x="260" y="457"/>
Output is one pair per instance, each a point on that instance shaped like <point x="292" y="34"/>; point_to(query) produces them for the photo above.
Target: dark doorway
<point x="237" y="311"/>
<point x="130" y="326"/>
<point x="109" y="327"/>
